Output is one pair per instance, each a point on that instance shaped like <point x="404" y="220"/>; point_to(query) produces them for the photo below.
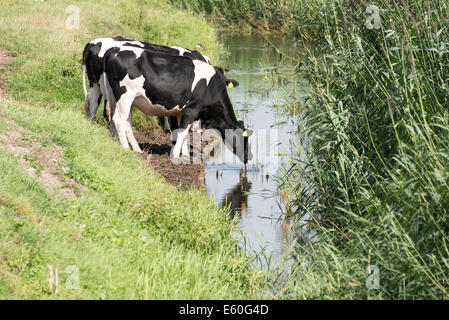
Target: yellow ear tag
<point x="230" y="85"/>
<point x="245" y="133"/>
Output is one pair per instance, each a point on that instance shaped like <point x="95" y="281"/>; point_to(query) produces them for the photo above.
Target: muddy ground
<point x="156" y="146"/>
<point x="5" y="57"/>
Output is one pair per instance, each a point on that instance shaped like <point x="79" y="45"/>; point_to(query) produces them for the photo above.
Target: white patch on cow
<point x="136" y="92"/>
<point x="137" y="43"/>
<point x="202" y="71"/>
<point x="135" y="50"/>
<point x="181" y="50"/>
<point x="108" y="43"/>
<point x="133" y="87"/>
<point x="181" y="143"/>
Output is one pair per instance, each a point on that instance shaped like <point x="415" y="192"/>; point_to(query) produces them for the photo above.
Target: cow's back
<point x="174" y="51"/>
<point x="167" y="79"/>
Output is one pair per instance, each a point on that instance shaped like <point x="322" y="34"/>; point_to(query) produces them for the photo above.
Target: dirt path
<point x="5" y="57"/>
<point x="156" y="146"/>
<point x="46" y="163"/>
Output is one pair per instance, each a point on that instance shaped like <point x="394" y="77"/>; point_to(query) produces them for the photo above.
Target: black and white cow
<point x="93" y="63"/>
<point x="166" y="85"/>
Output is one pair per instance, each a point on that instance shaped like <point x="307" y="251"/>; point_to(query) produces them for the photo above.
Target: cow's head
<point x="234" y="135"/>
<point x="230" y="83"/>
<point x="237" y="140"/>
<point x="220" y="115"/>
<point x="247" y="155"/>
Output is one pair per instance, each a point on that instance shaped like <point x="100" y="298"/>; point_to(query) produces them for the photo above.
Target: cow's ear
<point x="247" y="132"/>
<point x="231" y="83"/>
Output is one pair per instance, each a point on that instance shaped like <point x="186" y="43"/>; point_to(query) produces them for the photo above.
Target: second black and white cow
<point x="93" y="63"/>
<point x="165" y="85"/>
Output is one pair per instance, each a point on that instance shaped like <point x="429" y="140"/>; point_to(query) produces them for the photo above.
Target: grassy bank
<point x="377" y="171"/>
<point x="70" y="196"/>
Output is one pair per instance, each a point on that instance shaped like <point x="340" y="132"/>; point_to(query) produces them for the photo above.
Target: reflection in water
<point x="286" y="229"/>
<point x="237" y="197"/>
<point x="266" y="231"/>
<point x="237" y="201"/>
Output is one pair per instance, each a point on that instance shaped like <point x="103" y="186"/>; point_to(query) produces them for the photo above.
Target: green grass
<point x="130" y="234"/>
<point x="137" y="239"/>
<point x="377" y="170"/>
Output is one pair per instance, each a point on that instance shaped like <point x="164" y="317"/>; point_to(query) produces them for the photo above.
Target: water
<point x="266" y="230"/>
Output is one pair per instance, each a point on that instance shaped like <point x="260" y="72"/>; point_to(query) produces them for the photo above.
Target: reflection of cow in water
<point x="237" y="197"/>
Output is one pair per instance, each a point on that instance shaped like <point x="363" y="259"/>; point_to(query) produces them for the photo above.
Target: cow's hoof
<point x="180" y="160"/>
<point x="175" y="160"/>
<point x="185" y="159"/>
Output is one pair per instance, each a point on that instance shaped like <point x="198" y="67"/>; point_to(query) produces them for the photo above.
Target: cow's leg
<point x="185" y="147"/>
<point x="120" y="119"/>
<point x="178" y="123"/>
<point x="196" y="126"/>
<point x="87" y="106"/>
<point x="120" y="126"/>
<point x="180" y="141"/>
<point x="188" y="116"/>
<point x="111" y="125"/>
<point x="174" y="124"/>
<point x="94" y="97"/>
<point x="105" y="112"/>
<point x="113" y="130"/>
<point x="130" y="134"/>
<point x="167" y="127"/>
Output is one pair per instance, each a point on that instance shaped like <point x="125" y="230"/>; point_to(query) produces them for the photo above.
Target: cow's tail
<point x="86" y="100"/>
<point x="84" y="81"/>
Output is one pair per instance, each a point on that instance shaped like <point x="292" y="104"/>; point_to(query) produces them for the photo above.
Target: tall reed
<point x="377" y="175"/>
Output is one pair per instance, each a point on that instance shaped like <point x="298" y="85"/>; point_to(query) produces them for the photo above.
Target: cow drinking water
<point x="165" y="85"/>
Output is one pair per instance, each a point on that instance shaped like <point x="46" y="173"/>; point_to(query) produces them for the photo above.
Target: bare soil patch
<point x="5" y="57"/>
<point x="45" y="163"/>
<point x="156" y="146"/>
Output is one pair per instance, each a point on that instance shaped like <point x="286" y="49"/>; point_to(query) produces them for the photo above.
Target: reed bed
<point x="376" y="176"/>
<point x="281" y="16"/>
